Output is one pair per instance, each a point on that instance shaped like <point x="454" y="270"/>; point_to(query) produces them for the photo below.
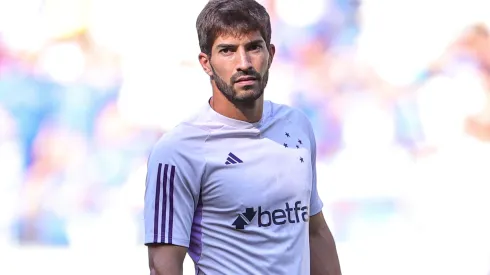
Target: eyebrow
<point x="254" y="42"/>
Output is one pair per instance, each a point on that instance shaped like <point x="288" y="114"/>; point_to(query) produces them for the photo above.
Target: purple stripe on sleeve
<point x="195" y="248"/>
<point x="171" y="204"/>
<point x="164" y="204"/>
<point x="157" y="204"/>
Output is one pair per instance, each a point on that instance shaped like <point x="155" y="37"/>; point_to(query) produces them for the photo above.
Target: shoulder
<point x="183" y="140"/>
<point x="293" y="114"/>
<point x="180" y="146"/>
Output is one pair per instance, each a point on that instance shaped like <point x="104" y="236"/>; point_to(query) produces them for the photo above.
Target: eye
<point x="255" y="47"/>
<point x="225" y="51"/>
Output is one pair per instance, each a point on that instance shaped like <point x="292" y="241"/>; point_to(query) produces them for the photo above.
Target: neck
<point x="249" y="113"/>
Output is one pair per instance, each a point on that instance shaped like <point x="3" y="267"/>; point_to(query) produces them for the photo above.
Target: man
<point x="235" y="185"/>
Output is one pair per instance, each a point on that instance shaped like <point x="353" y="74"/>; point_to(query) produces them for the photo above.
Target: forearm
<point x="324" y="259"/>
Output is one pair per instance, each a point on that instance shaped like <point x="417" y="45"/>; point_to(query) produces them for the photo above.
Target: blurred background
<point x="398" y="92"/>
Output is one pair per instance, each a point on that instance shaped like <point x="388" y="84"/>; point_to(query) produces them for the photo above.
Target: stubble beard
<point x="254" y="92"/>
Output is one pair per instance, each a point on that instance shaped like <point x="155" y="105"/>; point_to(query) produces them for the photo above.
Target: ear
<point x="204" y="60"/>
<point x="272" y="52"/>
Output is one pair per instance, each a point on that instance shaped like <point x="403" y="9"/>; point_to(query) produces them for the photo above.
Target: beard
<point x="249" y="94"/>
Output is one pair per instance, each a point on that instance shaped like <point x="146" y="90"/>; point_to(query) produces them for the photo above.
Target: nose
<point x="244" y="62"/>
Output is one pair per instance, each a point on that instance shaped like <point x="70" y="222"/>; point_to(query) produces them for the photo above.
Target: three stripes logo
<point x="232" y="159"/>
<point x="164" y="204"/>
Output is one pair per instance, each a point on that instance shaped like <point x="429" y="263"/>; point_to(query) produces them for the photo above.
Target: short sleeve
<point x="173" y="184"/>
<point x="316" y="203"/>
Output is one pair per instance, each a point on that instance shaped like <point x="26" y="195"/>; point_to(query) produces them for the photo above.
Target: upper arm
<point x="166" y="257"/>
<point x="317" y="223"/>
<point x="171" y="195"/>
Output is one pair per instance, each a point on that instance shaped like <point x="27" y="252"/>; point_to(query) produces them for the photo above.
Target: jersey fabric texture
<point x="238" y="195"/>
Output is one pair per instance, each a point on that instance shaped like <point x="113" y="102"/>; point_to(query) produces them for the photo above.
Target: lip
<point x="246" y="78"/>
<point x="246" y="82"/>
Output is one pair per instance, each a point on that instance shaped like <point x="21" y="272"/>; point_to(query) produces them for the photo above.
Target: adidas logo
<point x="232" y="159"/>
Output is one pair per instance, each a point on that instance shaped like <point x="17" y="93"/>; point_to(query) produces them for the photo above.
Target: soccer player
<point x="235" y="185"/>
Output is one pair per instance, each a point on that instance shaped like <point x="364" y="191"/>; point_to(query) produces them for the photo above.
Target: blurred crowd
<point x="401" y="111"/>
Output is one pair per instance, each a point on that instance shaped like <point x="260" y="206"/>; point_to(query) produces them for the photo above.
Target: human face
<point x="239" y="66"/>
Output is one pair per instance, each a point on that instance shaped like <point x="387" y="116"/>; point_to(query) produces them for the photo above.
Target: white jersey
<point x="238" y="195"/>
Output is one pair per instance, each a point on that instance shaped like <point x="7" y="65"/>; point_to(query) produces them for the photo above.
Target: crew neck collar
<point x="240" y="123"/>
